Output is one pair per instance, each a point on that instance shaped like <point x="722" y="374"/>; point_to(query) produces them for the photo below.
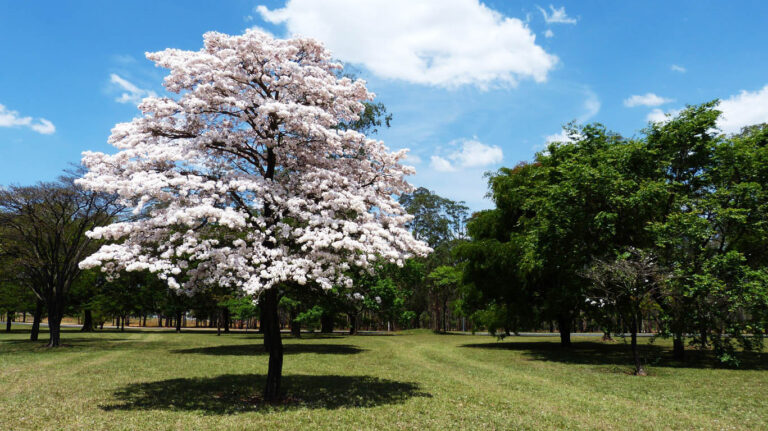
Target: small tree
<point x="252" y="177"/>
<point x="626" y="286"/>
<point x="43" y="230"/>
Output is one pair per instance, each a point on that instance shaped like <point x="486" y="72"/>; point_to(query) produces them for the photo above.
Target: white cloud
<point x="558" y="16"/>
<point x="412" y="159"/>
<point x="648" y="99"/>
<point x="563" y="136"/>
<point x="435" y="42"/>
<point x="9" y="118"/>
<point x="743" y="109"/>
<point x="740" y="110"/>
<point x="677" y="68"/>
<point x="133" y="94"/>
<point x="591" y="107"/>
<point x="470" y="154"/>
<point x="475" y="154"/>
<point x="440" y="164"/>
<point x="659" y="116"/>
<point x="549" y="34"/>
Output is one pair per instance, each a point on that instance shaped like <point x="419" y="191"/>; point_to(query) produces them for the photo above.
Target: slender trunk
<point x="445" y="315"/>
<point x="24" y="317"/>
<point x="639" y="370"/>
<point x="678" y="347"/>
<point x="227" y="320"/>
<point x="352" y="323"/>
<point x="144" y="321"/>
<point x="564" y="326"/>
<point x="273" y="344"/>
<point x="122" y="323"/>
<point x="178" y="321"/>
<point x="218" y="324"/>
<point x="54" y="324"/>
<point x="8" y="320"/>
<point x="36" y="321"/>
<point x="87" y="321"/>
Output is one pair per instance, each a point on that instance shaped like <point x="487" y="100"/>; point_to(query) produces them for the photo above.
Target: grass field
<point x="415" y="380"/>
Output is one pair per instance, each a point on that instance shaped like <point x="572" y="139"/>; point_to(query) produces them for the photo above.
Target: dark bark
<point x="639" y="370"/>
<point x="326" y="323"/>
<point x="218" y="325"/>
<point x="564" y="326"/>
<point x="295" y="325"/>
<point x="178" y="321"/>
<point x="54" y="324"/>
<point x="227" y="320"/>
<point x="8" y="320"/>
<point x="87" y="321"/>
<point x="352" y="323"/>
<point x="144" y="321"/>
<point x="122" y="323"/>
<point x="678" y="347"/>
<point x="36" y="321"/>
<point x="273" y="344"/>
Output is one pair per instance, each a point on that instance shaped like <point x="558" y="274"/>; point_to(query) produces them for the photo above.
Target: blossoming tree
<point x="247" y="177"/>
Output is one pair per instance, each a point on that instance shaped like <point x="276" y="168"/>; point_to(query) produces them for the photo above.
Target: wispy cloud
<point x="591" y="107"/>
<point x="556" y="16"/>
<point x="9" y="118"/>
<point x="677" y="68"/>
<point x="549" y="33"/>
<point x="648" y="99"/>
<point x="132" y="93"/>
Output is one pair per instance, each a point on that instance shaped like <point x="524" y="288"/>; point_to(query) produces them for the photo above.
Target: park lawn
<point x="413" y="380"/>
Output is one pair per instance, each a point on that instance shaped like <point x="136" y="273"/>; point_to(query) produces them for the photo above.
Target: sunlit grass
<point x="415" y="380"/>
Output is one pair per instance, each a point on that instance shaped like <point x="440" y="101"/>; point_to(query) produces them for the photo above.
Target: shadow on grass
<point x="258" y="349"/>
<point x="618" y="353"/>
<point x="229" y="393"/>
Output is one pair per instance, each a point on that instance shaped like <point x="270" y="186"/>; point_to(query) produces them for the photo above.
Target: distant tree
<point x="626" y="286"/>
<point x="43" y="230"/>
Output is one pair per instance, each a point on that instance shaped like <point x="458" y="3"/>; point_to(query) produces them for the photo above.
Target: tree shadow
<point x="258" y="349"/>
<point x="230" y="393"/>
<point x="618" y="353"/>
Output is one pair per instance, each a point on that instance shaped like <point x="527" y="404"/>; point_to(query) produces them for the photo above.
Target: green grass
<point x="416" y="380"/>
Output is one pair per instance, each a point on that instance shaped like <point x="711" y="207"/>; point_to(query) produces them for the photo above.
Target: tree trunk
<point x="564" y="326"/>
<point x="178" y="321"/>
<point x="87" y="321"/>
<point x="639" y="370"/>
<point x="295" y="325"/>
<point x="122" y="323"/>
<point x="54" y="324"/>
<point x="36" y="321"/>
<point x="227" y="320"/>
<point x="218" y="324"/>
<point x="8" y="320"/>
<point x="678" y="347"/>
<point x="352" y="323"/>
<point x="144" y="321"/>
<point x="273" y="344"/>
<point x="326" y="323"/>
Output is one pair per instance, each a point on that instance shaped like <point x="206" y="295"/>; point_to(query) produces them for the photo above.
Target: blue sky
<point x="472" y="86"/>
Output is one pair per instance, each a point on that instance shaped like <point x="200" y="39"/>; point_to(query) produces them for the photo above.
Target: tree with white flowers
<point x="249" y="176"/>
